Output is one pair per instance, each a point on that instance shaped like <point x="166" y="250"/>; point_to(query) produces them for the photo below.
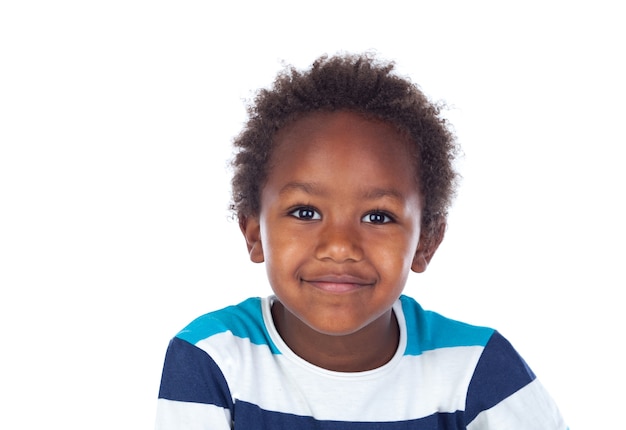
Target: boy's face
<point x="339" y="225"/>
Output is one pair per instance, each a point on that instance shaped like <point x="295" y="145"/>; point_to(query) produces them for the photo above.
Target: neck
<point x="366" y="349"/>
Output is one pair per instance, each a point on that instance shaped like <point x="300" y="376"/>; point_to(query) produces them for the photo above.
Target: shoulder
<point x="208" y="354"/>
<point x="428" y="330"/>
<point x="504" y="391"/>
<point x="242" y="321"/>
<point x="499" y="386"/>
<point x="204" y="358"/>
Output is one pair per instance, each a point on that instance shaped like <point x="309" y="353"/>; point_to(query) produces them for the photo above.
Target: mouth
<point x="338" y="283"/>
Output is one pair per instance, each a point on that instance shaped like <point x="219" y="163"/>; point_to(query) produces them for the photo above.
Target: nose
<point x="339" y="243"/>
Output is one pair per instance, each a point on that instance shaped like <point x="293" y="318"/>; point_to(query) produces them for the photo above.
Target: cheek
<point x="283" y="251"/>
<point x="396" y="254"/>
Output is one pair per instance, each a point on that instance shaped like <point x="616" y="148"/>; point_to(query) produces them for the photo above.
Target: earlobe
<point x="428" y="244"/>
<point x="419" y="262"/>
<point x="251" y="229"/>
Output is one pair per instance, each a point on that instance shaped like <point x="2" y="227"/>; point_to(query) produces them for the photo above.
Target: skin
<point x="339" y="232"/>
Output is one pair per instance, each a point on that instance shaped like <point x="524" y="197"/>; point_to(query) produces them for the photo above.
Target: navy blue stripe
<point x="191" y="375"/>
<point x="250" y="417"/>
<point x="500" y="372"/>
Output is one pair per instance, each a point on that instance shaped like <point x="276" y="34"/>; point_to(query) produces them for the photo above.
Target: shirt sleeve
<point x="505" y="393"/>
<point x="194" y="394"/>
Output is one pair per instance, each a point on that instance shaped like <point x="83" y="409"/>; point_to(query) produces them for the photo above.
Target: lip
<point x="338" y="283"/>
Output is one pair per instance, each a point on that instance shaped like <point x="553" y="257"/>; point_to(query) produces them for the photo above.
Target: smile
<point x="338" y="284"/>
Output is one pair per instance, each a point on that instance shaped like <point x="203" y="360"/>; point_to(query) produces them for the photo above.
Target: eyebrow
<point x="379" y="193"/>
<point x="315" y="189"/>
<point x="307" y="187"/>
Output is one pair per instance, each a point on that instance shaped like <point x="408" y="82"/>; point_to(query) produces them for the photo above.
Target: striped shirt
<point x="230" y="369"/>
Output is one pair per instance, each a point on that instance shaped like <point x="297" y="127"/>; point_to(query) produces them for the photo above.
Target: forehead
<point x="346" y="123"/>
<point x="343" y="146"/>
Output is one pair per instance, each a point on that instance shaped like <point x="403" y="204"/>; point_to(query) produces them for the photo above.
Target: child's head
<point x="342" y="183"/>
<point x="362" y="85"/>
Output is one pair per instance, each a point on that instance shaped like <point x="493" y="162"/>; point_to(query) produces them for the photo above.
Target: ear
<point x="251" y="229"/>
<point x="428" y="244"/>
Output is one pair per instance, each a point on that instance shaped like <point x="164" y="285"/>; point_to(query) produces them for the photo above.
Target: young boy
<point x="342" y="183"/>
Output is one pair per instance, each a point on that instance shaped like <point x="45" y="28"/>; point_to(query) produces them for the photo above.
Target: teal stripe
<point x="244" y="320"/>
<point x="428" y="330"/>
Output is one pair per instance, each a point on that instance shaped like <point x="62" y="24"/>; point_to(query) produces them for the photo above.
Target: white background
<point x="116" y="120"/>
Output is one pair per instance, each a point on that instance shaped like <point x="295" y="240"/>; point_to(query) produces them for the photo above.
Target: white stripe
<point x="530" y="408"/>
<point x="174" y="415"/>
<point x="411" y="387"/>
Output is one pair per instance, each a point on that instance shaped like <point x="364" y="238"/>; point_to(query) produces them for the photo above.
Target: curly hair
<point x="356" y="83"/>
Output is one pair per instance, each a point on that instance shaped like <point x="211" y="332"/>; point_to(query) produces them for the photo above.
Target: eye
<point x="305" y="213"/>
<point x="377" y="218"/>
